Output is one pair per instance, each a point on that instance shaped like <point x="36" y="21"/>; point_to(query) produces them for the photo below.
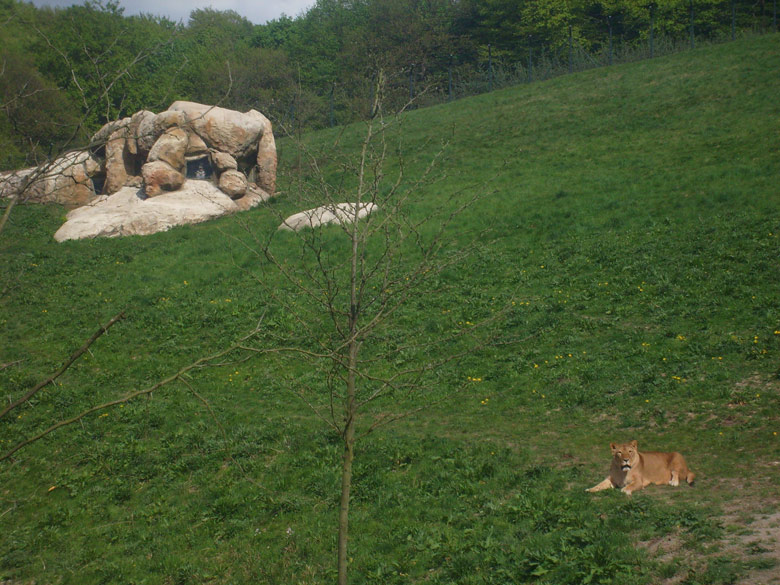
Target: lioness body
<point x="632" y="470"/>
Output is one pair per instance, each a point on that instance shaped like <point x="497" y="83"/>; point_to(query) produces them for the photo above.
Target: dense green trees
<point x="64" y="72"/>
<point x="68" y="71"/>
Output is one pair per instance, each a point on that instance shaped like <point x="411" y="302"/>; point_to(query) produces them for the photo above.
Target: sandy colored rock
<point x="223" y="161"/>
<point x="70" y="181"/>
<point x="100" y="138"/>
<point x="119" y="162"/>
<point x="93" y="166"/>
<point x="12" y="182"/>
<point x="171" y="148"/>
<point x="196" y="146"/>
<point x="73" y="165"/>
<point x="143" y="132"/>
<point x="168" y="119"/>
<point x="253" y="197"/>
<point x="151" y="152"/>
<point x="159" y="176"/>
<point x="267" y="161"/>
<point x="66" y="180"/>
<point x="225" y="130"/>
<point x="128" y="212"/>
<point x="71" y="193"/>
<point x="30" y="184"/>
<point x="338" y="213"/>
<point x="233" y="183"/>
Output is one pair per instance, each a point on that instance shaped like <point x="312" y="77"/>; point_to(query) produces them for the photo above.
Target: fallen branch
<point x="201" y="362"/>
<point x="10" y="364"/>
<point x="78" y="353"/>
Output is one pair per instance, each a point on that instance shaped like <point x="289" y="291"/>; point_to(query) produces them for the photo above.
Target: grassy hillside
<point x="632" y="216"/>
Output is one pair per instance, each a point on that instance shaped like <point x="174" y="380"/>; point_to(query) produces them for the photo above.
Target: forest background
<point x="66" y="72"/>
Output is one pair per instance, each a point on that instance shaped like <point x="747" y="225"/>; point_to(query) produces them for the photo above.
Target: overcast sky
<point x="257" y="11"/>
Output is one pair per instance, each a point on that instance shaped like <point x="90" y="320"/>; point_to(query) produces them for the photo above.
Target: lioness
<point x="632" y="470"/>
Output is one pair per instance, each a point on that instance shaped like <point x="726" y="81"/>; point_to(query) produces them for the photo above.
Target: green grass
<point x="633" y="218"/>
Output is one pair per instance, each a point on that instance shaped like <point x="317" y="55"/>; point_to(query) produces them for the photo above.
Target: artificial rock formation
<point x="149" y="155"/>
<point x="67" y="180"/>
<point x="336" y="213"/>
<point x="129" y="212"/>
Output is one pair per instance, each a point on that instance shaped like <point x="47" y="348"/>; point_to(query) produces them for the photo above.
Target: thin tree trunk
<point x="350" y="404"/>
<point x="350" y="408"/>
<point x="346" y="485"/>
<point x="11" y="204"/>
<point x="349" y="455"/>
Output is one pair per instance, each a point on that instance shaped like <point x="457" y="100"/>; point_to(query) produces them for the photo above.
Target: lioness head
<point x="625" y="454"/>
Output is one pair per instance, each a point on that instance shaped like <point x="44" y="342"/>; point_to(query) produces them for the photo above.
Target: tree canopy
<point x="67" y="71"/>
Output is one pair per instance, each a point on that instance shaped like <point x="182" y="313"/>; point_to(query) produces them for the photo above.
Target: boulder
<point x="70" y="179"/>
<point x="66" y="180"/>
<point x="266" y="161"/>
<point x="337" y="213"/>
<point x="136" y="182"/>
<point x="79" y="165"/>
<point x="225" y="130"/>
<point x="100" y="138"/>
<point x="168" y="119"/>
<point x="128" y="212"/>
<point x="144" y="132"/>
<point x="233" y="183"/>
<point x="70" y="193"/>
<point x="13" y="182"/>
<point x="120" y="163"/>
<point x="223" y="161"/>
<point x="151" y="152"/>
<point x="196" y="146"/>
<point x="253" y="197"/>
<point x="171" y="148"/>
<point x="159" y="176"/>
<point x="93" y="166"/>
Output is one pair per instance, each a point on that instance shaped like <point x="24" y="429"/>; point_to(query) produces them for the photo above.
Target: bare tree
<point x="341" y="312"/>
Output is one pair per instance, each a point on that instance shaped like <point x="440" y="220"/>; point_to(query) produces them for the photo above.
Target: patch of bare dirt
<point x="751" y="525"/>
<point x="757" y="538"/>
<point x="665" y="549"/>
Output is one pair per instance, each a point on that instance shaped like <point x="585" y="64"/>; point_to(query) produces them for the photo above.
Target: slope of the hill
<point x="630" y="212"/>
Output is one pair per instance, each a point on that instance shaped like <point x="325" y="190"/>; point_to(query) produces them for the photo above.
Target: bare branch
<point x="391" y="418"/>
<point x="76" y="355"/>
<point x="10" y="364"/>
<point x="199" y="363"/>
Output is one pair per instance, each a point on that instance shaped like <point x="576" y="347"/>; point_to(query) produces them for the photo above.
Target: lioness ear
<point x="612" y="446"/>
<point x="633" y="444"/>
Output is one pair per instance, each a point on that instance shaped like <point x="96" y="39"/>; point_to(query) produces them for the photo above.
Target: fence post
<point x="609" y="19"/>
<point x="411" y="82"/>
<point x="693" y="42"/>
<point x="733" y="21"/>
<point x="652" y="30"/>
<point x="449" y="85"/>
<point x="530" y="54"/>
<point x="571" y="55"/>
<point x="490" y="67"/>
<point x="332" y="114"/>
<point x="774" y="14"/>
<point x="372" y="111"/>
